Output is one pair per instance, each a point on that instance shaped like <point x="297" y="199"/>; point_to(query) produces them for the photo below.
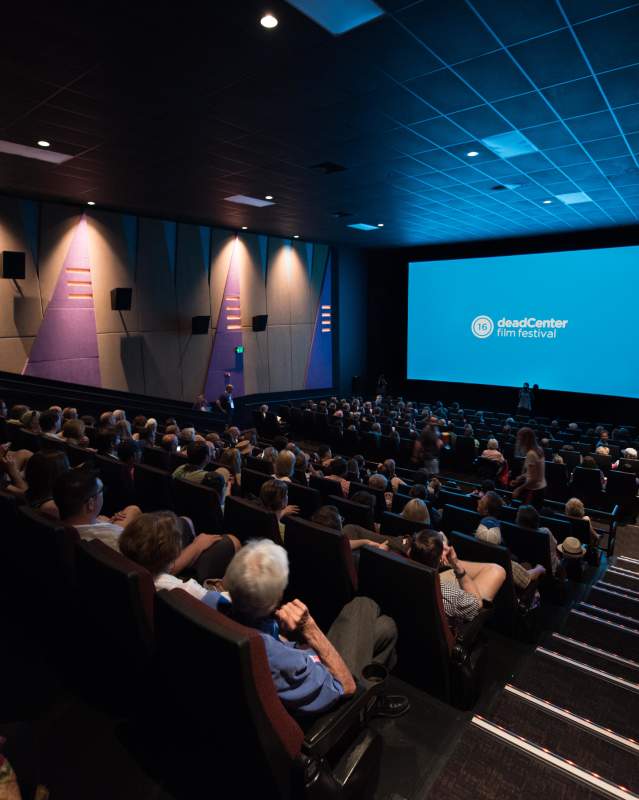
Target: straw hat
<point x="571" y="547"/>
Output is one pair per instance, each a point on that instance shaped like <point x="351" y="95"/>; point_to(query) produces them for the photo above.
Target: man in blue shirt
<point x="312" y="674"/>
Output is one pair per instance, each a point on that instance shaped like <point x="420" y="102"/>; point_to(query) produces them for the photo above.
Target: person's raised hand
<point x="291" y="510"/>
<point x="292" y="616"/>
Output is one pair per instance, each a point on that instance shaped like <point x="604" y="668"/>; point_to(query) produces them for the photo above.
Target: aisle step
<point x="585" y="693"/>
<point x="573" y="738"/>
<point x="624" y="580"/>
<point x="607" y="583"/>
<point x="630" y="564"/>
<point x="591" y="654"/>
<point x="590" y="663"/>
<point x="606" y="613"/>
<point x="483" y="767"/>
<point x="566" y="767"/>
<point x="614" y="637"/>
<point x="614" y="599"/>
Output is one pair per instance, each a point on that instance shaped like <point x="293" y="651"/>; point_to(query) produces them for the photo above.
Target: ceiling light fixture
<point x="90" y="202"/>
<point x="547" y="202"/>
<point x="380" y="224"/>
<point x="44" y="143"/>
<point x="268" y="197"/>
<point x="296" y="236"/>
<point x="269" y="21"/>
<point x="244" y="227"/>
<point x="472" y="153"/>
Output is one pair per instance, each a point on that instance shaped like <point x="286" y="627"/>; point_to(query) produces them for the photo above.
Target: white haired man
<point x="314" y="674"/>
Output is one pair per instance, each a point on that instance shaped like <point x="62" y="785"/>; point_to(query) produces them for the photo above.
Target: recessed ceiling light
<point x="268" y="21"/>
<point x="44" y="143"/>
<point x="90" y="202"/>
<point x="37" y="153"/>
<point x="247" y="200"/>
<point x="268" y="197"/>
<point x="380" y="224"/>
<point x="244" y="227"/>
<point x="547" y="202"/>
<point x="296" y="236"/>
<point x="472" y="153"/>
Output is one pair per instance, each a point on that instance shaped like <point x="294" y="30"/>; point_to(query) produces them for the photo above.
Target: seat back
<point x="449" y="498"/>
<point x="259" y="465"/>
<point x="257" y="739"/>
<point x="468" y="548"/>
<point x="557" y="480"/>
<point x="353" y="513"/>
<point x="322" y="574"/>
<point x="621" y="488"/>
<point x="396" y="525"/>
<point x="22" y="439"/>
<point x="47" y="548"/>
<point x="560" y="528"/>
<point x="410" y="594"/>
<point x="378" y="494"/>
<point x="116" y="597"/>
<point x="308" y="500"/>
<point x="399" y="501"/>
<point x="153" y="488"/>
<point x="156" y="457"/>
<point x="325" y="486"/>
<point x="246" y="520"/>
<point x="586" y="485"/>
<point x="487" y="468"/>
<point x="460" y="519"/>
<point x="79" y="455"/>
<point x="252" y="481"/>
<point x="200" y="503"/>
<point x="464" y="453"/>
<point x="119" y="488"/>
<point x="527" y="545"/>
<point x="629" y="465"/>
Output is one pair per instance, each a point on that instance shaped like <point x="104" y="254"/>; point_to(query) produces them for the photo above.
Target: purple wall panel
<point x="319" y="369"/>
<point x="228" y="336"/>
<point x="66" y="347"/>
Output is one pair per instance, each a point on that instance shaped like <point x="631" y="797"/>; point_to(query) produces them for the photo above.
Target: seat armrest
<point x="351" y="714"/>
<point x="469" y="632"/>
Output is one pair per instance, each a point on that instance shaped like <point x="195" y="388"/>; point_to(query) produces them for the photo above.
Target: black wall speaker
<point x="13" y="265"/>
<point x="259" y="322"/>
<point x="199" y="325"/>
<point x="121" y="299"/>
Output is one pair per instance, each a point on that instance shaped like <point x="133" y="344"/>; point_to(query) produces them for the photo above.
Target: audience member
<point x="527" y="517"/>
<point x="530" y="487"/>
<point x="197" y="457"/>
<point x="41" y="472"/>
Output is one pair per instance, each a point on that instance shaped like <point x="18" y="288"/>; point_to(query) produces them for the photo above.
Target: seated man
<point x="314" y="673"/>
<point x="274" y="498"/>
<point x="197" y="457"/>
<point x="78" y="494"/>
<point x="329" y="517"/>
<point x="465" y="585"/>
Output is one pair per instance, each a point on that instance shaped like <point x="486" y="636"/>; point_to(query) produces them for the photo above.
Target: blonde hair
<point x="285" y="464"/>
<point x="575" y="508"/>
<point x="492" y="444"/>
<point x="416" y="510"/>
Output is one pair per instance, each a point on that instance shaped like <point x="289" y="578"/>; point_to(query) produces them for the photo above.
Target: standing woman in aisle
<point x="531" y="484"/>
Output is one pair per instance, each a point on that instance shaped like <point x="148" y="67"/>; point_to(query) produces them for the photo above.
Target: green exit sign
<point x="239" y="349"/>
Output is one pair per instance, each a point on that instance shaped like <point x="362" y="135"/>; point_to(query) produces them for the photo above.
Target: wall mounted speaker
<point x="200" y="325"/>
<point x="13" y="265"/>
<point x="259" y="322"/>
<point x="121" y="299"/>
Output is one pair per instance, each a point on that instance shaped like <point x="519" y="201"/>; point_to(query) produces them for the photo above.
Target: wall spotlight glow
<point x="44" y="143"/>
<point x="90" y="202"/>
<point x="547" y="202"/>
<point x="268" y="197"/>
<point x="472" y="154"/>
<point x="296" y="236"/>
<point x="269" y="21"/>
<point x="244" y="227"/>
<point x="380" y="224"/>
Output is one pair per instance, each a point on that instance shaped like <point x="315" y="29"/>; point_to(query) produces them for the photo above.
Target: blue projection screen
<point x="564" y="320"/>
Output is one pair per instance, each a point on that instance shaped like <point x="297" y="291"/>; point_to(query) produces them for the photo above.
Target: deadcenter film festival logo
<point x="526" y="328"/>
<point x="482" y="326"/>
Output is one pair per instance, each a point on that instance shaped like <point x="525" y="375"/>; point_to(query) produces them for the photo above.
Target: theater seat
<point x="200" y="503"/>
<point x="252" y="481"/>
<point x="308" y="500"/>
<point x="246" y="520"/>
<point x="353" y="513"/>
<point x="322" y="573"/>
<point x="153" y="488"/>
<point x="240" y="737"/>
<point x="430" y="656"/>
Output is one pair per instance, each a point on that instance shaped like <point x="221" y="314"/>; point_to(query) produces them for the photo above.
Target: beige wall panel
<point x="195" y="352"/>
<point x="192" y="281"/>
<point x="14" y="353"/>
<point x="222" y="251"/>
<point x="160" y="353"/>
<point x="299" y="282"/>
<point x="320" y="255"/>
<point x="57" y="226"/>
<point x="121" y="362"/>
<point x="256" y="362"/>
<point x="279" y="357"/>
<point x="20" y="309"/>
<point x="112" y="251"/>
<point x="156" y="276"/>
<point x="278" y="303"/>
<point x="252" y="277"/>
<point x="301" y="336"/>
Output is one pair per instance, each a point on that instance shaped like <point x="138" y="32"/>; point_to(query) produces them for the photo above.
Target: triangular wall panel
<point x="66" y="346"/>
